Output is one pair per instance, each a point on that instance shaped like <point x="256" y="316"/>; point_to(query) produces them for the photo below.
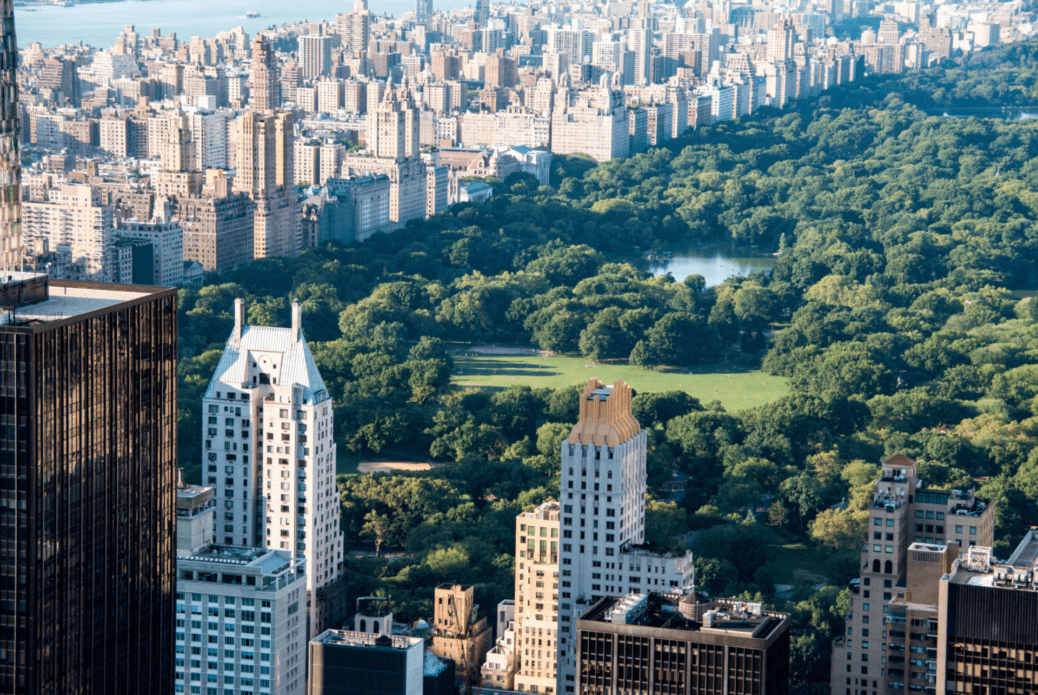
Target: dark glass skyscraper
<point x="87" y="487"/>
<point x="10" y="157"/>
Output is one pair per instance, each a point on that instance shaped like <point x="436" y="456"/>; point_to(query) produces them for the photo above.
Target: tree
<point x="659" y="408"/>
<point x="840" y="529"/>
<point x="665" y="522"/>
<point x="378" y="528"/>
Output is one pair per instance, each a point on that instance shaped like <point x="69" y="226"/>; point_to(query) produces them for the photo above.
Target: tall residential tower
<point x="270" y="454"/>
<point x="603" y="518"/>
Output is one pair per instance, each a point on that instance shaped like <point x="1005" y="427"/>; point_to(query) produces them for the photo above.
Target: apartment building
<point x="240" y="611"/>
<point x="270" y="453"/>
<point x="603" y="549"/>
<point x="909" y="526"/>
<point x="537" y="598"/>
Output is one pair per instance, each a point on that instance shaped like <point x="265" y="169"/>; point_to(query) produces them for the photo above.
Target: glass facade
<point x="87" y="498"/>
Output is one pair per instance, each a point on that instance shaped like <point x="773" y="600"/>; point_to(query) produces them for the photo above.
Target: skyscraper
<point x="482" y="15"/>
<point x="266" y="173"/>
<point x="88" y="393"/>
<point x="315" y="53"/>
<point x="355" y="27"/>
<point x="266" y="92"/>
<point x="423" y="9"/>
<point x="270" y="454"/>
<point x="537" y="598"/>
<point x="640" y="43"/>
<point x="907" y="521"/>
<point x="10" y="157"/>
<point x="603" y="518"/>
<point x="986" y="632"/>
<point x="253" y="599"/>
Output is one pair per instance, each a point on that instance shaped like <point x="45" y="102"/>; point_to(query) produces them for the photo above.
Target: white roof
<point x="297" y="364"/>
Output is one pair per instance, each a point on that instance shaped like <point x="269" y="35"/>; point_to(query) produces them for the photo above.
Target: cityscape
<point x="607" y="348"/>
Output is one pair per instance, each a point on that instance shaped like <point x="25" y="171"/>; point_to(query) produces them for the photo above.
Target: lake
<point x="99" y="24"/>
<point x="715" y="263"/>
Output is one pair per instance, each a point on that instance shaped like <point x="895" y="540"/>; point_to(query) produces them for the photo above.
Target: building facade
<point x="88" y="537"/>
<point x="269" y="451"/>
<point x="603" y="518"/>
<point x="644" y="644"/>
<point x="246" y="607"/>
<point x="903" y="515"/>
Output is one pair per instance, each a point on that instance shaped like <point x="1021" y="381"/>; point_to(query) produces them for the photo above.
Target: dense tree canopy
<point x="893" y="310"/>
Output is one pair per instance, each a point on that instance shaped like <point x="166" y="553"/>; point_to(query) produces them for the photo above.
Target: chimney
<point x="239" y="317"/>
<point x="297" y="316"/>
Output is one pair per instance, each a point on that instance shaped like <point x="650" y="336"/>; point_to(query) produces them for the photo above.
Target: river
<point x="99" y="24"/>
<point x="715" y="263"/>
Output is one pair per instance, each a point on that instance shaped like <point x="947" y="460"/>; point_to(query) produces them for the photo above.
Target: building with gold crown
<point x="603" y="550"/>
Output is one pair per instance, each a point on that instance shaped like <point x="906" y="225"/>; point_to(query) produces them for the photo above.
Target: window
<point x="958" y="529"/>
<point x="890" y="522"/>
<point x="973" y="530"/>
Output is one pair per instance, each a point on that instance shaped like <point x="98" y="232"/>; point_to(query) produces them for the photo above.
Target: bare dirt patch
<point x="387" y="466"/>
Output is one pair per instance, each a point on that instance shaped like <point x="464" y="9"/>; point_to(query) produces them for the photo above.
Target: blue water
<point x="715" y="264"/>
<point x="99" y="24"/>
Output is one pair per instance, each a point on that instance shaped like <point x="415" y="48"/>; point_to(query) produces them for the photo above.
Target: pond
<point x="715" y="263"/>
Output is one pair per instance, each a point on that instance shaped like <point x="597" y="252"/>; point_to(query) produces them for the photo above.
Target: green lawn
<point x="734" y="386"/>
<point x="346" y="461"/>
<point x="796" y="555"/>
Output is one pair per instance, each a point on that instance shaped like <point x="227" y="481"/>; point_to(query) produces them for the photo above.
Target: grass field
<point x="791" y="555"/>
<point x="346" y="461"/>
<point x="735" y="387"/>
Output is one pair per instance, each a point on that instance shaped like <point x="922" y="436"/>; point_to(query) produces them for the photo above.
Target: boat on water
<point x="252" y="15"/>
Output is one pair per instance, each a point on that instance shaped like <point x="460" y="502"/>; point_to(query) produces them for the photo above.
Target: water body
<point x="715" y="263"/>
<point x="99" y="24"/>
<point x="1009" y="113"/>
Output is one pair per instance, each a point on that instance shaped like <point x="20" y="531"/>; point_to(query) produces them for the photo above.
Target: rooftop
<point x="1020" y="572"/>
<point x="689" y="614"/>
<point x="367" y="640"/>
<point x="64" y="299"/>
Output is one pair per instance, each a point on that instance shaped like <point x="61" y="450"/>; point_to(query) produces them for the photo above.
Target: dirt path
<point x="387" y="466"/>
<point x="497" y="350"/>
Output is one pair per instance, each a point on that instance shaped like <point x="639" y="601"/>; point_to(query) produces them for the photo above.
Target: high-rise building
<point x="360" y="663"/>
<point x="653" y="643"/>
<point x="166" y="239"/>
<point x="10" y="156"/>
<point x="603" y="518"/>
<point x="592" y="122"/>
<point x="537" y="598"/>
<point x="315" y="53"/>
<point x="910" y="527"/>
<point x="270" y="453"/>
<point x="780" y="41"/>
<point x="640" y="43"/>
<point x="392" y="128"/>
<point x="986" y="632"/>
<point x="89" y="388"/>
<point x="179" y="175"/>
<point x="482" y="13"/>
<point x="73" y="221"/>
<point x="265" y="161"/>
<point x="355" y="27"/>
<point x="218" y="225"/>
<point x="265" y="92"/>
<point x="246" y="605"/>
<point x="423" y="10"/>
<point x="459" y="634"/>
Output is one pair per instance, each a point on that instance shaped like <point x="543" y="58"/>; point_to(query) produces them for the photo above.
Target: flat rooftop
<point x="1020" y="572"/>
<point x="662" y="612"/>
<point x="64" y="298"/>
<point x="366" y="640"/>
